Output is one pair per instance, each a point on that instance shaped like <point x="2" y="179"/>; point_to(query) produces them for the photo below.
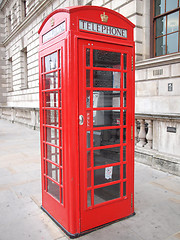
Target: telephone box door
<point x="106" y="119"/>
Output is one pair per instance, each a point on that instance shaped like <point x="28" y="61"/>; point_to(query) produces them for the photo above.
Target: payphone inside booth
<point x="86" y="83"/>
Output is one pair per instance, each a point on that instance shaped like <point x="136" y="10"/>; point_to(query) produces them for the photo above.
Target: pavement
<point x="157" y="197"/>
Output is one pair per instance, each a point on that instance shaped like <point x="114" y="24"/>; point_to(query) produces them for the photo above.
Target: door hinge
<point x="131" y="132"/>
<point x="131" y="200"/>
<point x="132" y="61"/>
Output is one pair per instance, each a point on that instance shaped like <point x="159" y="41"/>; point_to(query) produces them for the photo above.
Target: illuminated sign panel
<point x="54" y="32"/>
<point x="99" y="28"/>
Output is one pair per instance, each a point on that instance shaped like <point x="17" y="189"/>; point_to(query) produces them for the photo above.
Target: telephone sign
<point x="86" y="87"/>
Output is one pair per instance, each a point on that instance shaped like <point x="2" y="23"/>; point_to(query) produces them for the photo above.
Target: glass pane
<point x="87" y="78"/>
<point x="106" y="118"/>
<point x="88" y="99"/>
<point x="52" y="117"/>
<point x="89" y="179"/>
<point x="51" y="99"/>
<point x="124" y="189"/>
<point x="172" y="43"/>
<point x="171" y="4"/>
<point x="53" y="189"/>
<point x="173" y="22"/>
<point x="88" y="159"/>
<point x="124" y="117"/>
<point x="106" y="59"/>
<point x="89" y="198"/>
<point x="51" y="80"/>
<point x="106" y="156"/>
<point x="53" y="171"/>
<point x="124" y="135"/>
<point x="53" y="154"/>
<point x="124" y="171"/>
<point x="105" y="175"/>
<point x="106" y="79"/>
<point x="106" y="193"/>
<point x="124" y="153"/>
<point x="106" y="99"/>
<point x="160" y="26"/>
<point x="88" y="139"/>
<point x="124" y="80"/>
<point x="61" y="176"/>
<point x="59" y="58"/>
<point x="159" y="7"/>
<point x="52" y="136"/>
<point x="124" y="99"/>
<point x="125" y="61"/>
<point x="87" y="57"/>
<point x="88" y="118"/>
<point x="51" y="62"/>
<point x="62" y="195"/>
<point x="61" y="159"/>
<point x="106" y="137"/>
<point x="160" y="46"/>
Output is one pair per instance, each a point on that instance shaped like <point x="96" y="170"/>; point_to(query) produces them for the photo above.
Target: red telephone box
<point x="87" y="117"/>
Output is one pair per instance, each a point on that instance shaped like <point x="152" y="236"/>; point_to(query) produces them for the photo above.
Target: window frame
<point x="153" y="28"/>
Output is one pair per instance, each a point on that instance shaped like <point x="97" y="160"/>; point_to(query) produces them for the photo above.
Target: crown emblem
<point x="52" y="22"/>
<point x="104" y="17"/>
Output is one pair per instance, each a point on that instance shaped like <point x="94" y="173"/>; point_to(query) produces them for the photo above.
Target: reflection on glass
<point x="106" y="137"/>
<point x="124" y="189"/>
<point x="89" y="198"/>
<point x="53" y="154"/>
<point x="88" y="119"/>
<point x="124" y="135"/>
<point x="53" y="171"/>
<point x="173" y="22"/>
<point x="106" y="99"/>
<point x="106" y="59"/>
<point x="105" y="175"/>
<point x="124" y="99"/>
<point x="124" y="171"/>
<point x="106" y="118"/>
<point x="88" y="178"/>
<point x="52" y="117"/>
<point x="124" y="153"/>
<point x="106" y="79"/>
<point x="62" y="195"/>
<point x="51" y="99"/>
<point x="125" y="61"/>
<point x="106" y="156"/>
<point x="88" y="99"/>
<point x="106" y="193"/>
<point x="61" y="176"/>
<point x="51" y="62"/>
<point x="160" y="26"/>
<point x="124" y="80"/>
<point x="87" y="78"/>
<point x="172" y="43"/>
<point x="53" y="189"/>
<point x="52" y="136"/>
<point x="160" y="46"/>
<point x="87" y="57"/>
<point x="159" y="7"/>
<point x="171" y="4"/>
<point x="88" y="139"/>
<point x="59" y="58"/>
<point x="124" y="117"/>
<point x="50" y="80"/>
<point x="61" y="159"/>
<point x="88" y="159"/>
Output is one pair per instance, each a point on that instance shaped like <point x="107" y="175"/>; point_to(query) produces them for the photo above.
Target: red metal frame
<point x="70" y="208"/>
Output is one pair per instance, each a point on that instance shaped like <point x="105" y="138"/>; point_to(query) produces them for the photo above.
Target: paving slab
<point x="157" y="197"/>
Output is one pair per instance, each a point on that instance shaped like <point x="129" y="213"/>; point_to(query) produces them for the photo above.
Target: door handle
<point x="81" y="119"/>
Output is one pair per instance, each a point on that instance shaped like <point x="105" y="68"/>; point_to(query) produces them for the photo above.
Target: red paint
<point x="67" y="176"/>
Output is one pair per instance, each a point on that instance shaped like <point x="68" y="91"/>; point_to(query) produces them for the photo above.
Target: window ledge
<point x="158" y="61"/>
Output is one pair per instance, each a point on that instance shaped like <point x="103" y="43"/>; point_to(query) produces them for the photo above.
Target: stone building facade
<point x="157" y="70"/>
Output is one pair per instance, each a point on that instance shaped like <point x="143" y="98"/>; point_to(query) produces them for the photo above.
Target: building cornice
<point x="158" y="61"/>
<point x="27" y="20"/>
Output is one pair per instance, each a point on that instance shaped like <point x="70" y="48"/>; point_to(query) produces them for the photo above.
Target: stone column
<point x="142" y="134"/>
<point x="149" y="135"/>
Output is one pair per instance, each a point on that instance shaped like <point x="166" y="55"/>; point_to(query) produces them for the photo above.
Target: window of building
<point x="24" y="8"/>
<point x="9" y="75"/>
<point x="166" y="19"/>
<point x="24" y="69"/>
